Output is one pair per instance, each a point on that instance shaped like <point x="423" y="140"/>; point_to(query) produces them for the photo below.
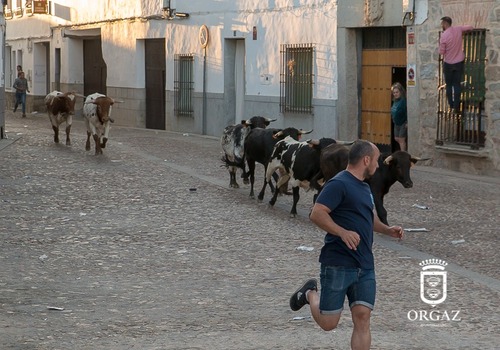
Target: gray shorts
<point x="401" y="130"/>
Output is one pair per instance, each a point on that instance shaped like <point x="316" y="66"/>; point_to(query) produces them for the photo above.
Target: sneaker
<point x="15" y="108"/>
<point x="24" y="115"/>
<point x="298" y="299"/>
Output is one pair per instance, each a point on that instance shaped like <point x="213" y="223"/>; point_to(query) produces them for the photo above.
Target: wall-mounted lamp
<point x="170" y="12"/>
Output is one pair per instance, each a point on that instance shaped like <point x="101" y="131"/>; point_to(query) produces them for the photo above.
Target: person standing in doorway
<point x="399" y="115"/>
<point x="346" y="211"/>
<point x="19" y="70"/>
<point x="21" y="86"/>
<point x="450" y="47"/>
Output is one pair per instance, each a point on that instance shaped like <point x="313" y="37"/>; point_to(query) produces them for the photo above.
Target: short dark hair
<point x="447" y="19"/>
<point x="360" y="149"/>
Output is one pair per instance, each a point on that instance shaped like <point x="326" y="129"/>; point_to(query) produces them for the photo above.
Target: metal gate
<point x="467" y="125"/>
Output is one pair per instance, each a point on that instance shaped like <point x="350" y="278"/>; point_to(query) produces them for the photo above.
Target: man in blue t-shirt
<point x="345" y="210"/>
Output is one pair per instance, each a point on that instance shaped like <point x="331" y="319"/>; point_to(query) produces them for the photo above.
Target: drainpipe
<point x="2" y="66"/>
<point x="204" y="115"/>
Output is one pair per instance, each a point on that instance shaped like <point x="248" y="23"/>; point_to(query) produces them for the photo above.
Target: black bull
<point x="393" y="168"/>
<point x="333" y="159"/>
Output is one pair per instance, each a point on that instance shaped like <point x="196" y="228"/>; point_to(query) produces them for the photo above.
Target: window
<point x="183" y="85"/>
<point x="468" y="126"/>
<point x="296" y="78"/>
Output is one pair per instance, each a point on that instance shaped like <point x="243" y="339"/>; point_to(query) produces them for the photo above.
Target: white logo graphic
<point x="433" y="281"/>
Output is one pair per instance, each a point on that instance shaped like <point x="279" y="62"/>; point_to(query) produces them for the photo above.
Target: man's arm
<point x="320" y="215"/>
<point x="380" y="227"/>
<point x="466" y="28"/>
<point x="442" y="44"/>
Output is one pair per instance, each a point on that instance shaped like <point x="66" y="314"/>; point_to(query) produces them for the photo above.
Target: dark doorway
<point x="155" y="83"/>
<point x="94" y="67"/>
<point x="398" y="76"/>
<point x="57" y="70"/>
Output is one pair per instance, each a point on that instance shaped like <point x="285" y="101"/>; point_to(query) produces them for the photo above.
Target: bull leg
<point x="104" y="141"/>
<point x="272" y="202"/>
<point x="244" y="174"/>
<point x="98" y="149"/>
<point x="251" y="171"/>
<point x="263" y="190"/>
<point x="379" y="206"/>
<point x="68" y="130"/>
<point x="296" y="196"/>
<point x="87" y="144"/>
<point x="56" y="133"/>
<point x="232" y="176"/>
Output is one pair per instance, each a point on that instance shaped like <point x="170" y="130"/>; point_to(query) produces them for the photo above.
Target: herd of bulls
<point x="96" y="112"/>
<point x="307" y="164"/>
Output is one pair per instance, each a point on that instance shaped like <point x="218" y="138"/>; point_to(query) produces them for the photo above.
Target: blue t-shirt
<point x="351" y="203"/>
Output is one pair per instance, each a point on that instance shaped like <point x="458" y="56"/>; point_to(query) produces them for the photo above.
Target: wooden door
<point x="377" y="76"/>
<point x="94" y="68"/>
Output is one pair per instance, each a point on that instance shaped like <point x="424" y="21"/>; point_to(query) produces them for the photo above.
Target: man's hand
<point x="351" y="239"/>
<point x="395" y="231"/>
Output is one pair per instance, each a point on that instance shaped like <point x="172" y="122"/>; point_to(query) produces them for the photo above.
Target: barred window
<point x="183" y="84"/>
<point x="296" y="78"/>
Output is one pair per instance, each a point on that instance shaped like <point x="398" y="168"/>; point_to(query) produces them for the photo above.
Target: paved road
<point x="138" y="260"/>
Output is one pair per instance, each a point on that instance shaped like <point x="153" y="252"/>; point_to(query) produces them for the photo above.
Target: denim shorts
<point x="401" y="130"/>
<point x="338" y="281"/>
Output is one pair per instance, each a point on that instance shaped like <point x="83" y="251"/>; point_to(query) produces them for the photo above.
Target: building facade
<point x="198" y="66"/>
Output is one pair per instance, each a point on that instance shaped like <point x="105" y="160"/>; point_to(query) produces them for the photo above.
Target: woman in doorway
<point x="399" y="115"/>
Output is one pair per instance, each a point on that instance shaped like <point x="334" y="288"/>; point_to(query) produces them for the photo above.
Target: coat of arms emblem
<point x="433" y="281"/>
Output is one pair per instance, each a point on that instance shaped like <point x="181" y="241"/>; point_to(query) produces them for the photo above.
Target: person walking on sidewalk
<point x="345" y="210"/>
<point x="450" y="47"/>
<point x="21" y="86"/>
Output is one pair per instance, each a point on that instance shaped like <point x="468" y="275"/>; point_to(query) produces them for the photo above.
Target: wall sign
<point x="204" y="36"/>
<point x="411" y="74"/>
<point x="40" y="6"/>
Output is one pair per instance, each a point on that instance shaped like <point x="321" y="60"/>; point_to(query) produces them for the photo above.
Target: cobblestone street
<point x="147" y="247"/>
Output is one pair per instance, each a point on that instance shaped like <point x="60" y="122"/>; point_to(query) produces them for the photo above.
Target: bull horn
<point x="313" y="142"/>
<point x="302" y="132"/>
<point x="345" y="143"/>
<point x="388" y="160"/>
<point x="278" y="134"/>
<point x="270" y="120"/>
<point x="79" y="95"/>
<point x="418" y="159"/>
<point x="117" y="101"/>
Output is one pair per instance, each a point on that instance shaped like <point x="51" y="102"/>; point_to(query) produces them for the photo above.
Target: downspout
<point x="204" y="114"/>
<point x="3" y="28"/>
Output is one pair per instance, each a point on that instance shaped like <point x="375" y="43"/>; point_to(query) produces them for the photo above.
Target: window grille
<point x="296" y="78"/>
<point x="183" y="84"/>
<point x="467" y="126"/>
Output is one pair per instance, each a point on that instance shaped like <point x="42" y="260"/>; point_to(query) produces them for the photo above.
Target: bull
<point x="298" y="162"/>
<point x="393" y="168"/>
<point x="259" y="146"/>
<point x="97" y="115"/>
<point x="232" y="142"/>
<point x="61" y="108"/>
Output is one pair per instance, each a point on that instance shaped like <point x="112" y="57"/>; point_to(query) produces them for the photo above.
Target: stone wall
<point x="480" y="14"/>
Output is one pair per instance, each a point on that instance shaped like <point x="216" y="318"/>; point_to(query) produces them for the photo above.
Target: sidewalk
<point x="139" y="261"/>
